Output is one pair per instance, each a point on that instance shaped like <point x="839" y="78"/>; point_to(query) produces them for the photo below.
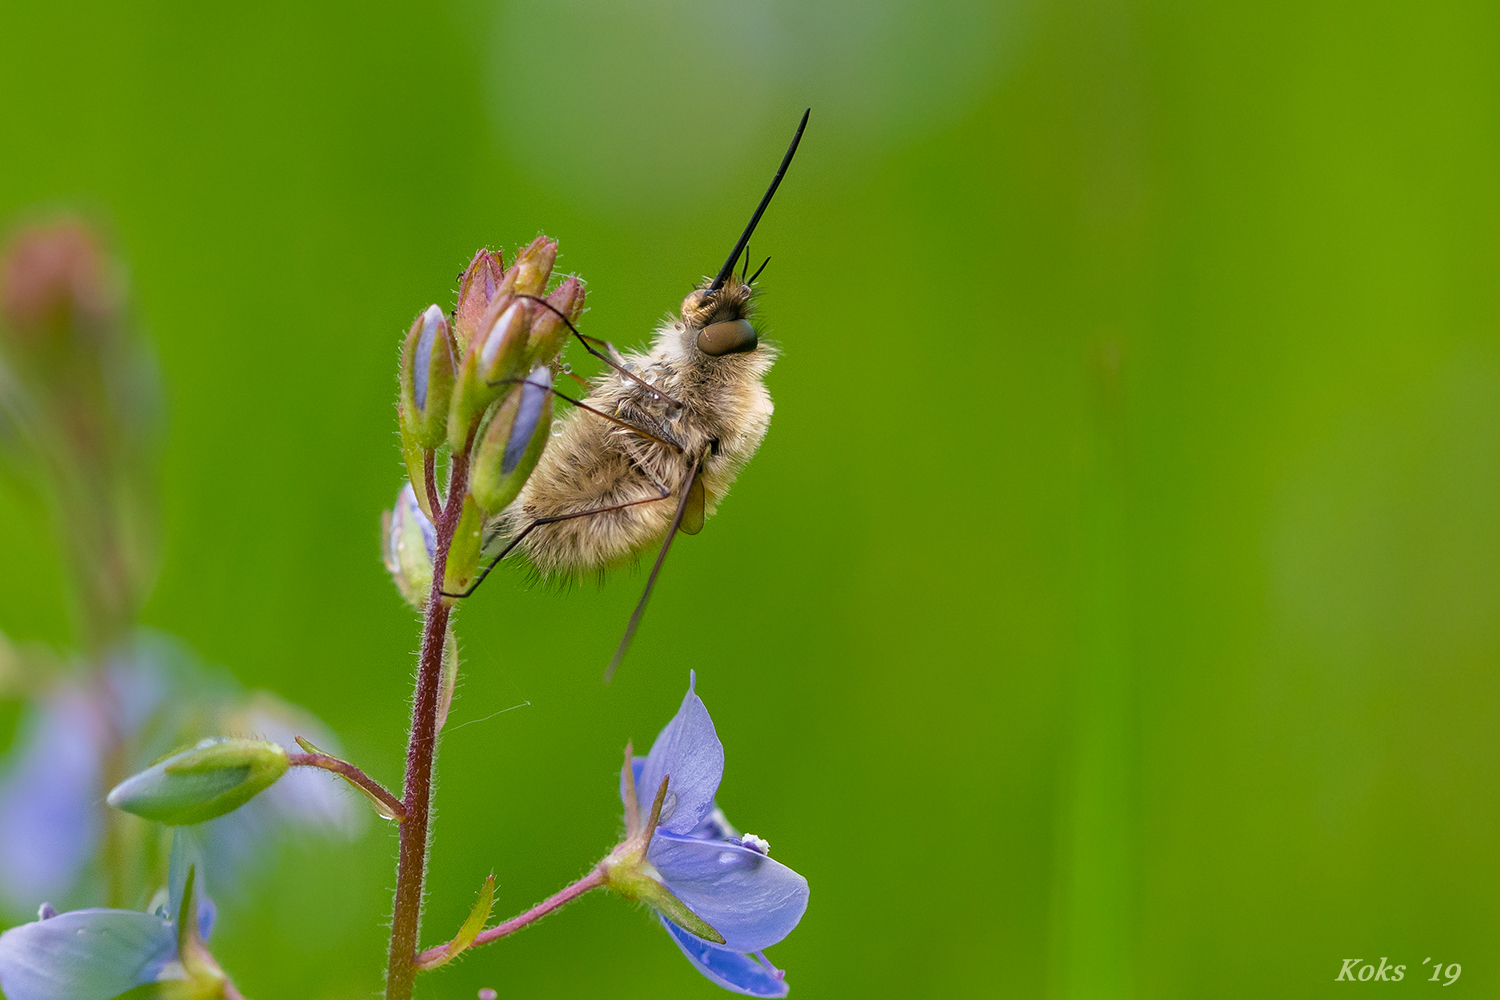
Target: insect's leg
<point x="662" y="495"/>
<point x="584" y="340"/>
<point x="584" y="406"/>
<point x="688" y="492"/>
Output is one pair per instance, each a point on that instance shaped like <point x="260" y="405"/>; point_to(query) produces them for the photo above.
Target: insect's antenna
<point x="745" y="268"/>
<point x="786" y="161"/>
<point x="757" y="270"/>
<point x="640" y="609"/>
<point x="584" y="340"/>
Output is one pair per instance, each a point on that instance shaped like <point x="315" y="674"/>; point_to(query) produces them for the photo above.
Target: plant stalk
<point x="421" y="751"/>
<point x="592" y="880"/>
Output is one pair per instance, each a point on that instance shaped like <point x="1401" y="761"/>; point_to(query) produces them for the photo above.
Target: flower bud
<point x="54" y="281"/>
<point x="477" y="287"/>
<point x="548" y="331"/>
<point x="532" y="268"/>
<point x="512" y="442"/>
<point x="410" y="542"/>
<point x="498" y="354"/>
<point x="503" y="351"/>
<point x="427" y="379"/>
<point x="213" y="778"/>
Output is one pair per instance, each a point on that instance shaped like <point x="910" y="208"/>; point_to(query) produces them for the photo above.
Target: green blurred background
<point x="1112" y="610"/>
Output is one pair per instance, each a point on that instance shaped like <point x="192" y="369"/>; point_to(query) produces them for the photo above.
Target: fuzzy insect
<point x="677" y="422"/>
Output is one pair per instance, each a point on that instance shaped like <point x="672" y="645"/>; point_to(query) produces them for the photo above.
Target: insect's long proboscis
<point x="739" y="247"/>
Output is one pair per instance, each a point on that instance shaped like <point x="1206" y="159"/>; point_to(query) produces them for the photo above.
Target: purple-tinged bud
<point x="53" y="279"/>
<point x="213" y="778"/>
<point x="427" y="379"/>
<point x="548" y="331"/>
<point x="532" y="268"/>
<point x="512" y="443"/>
<point x="477" y="288"/>
<point x="410" y="542"/>
<point x="496" y="355"/>
<point x="504" y="348"/>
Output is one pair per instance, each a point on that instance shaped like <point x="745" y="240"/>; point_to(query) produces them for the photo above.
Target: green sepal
<point x="464" y="552"/>
<point x="478" y="917"/>
<point x="549" y="334"/>
<point x="493" y="487"/>
<point x="532" y="268"/>
<point x="496" y="356"/>
<point x="415" y="457"/>
<point x="648" y="890"/>
<point x="213" y="778"/>
<point x="424" y="407"/>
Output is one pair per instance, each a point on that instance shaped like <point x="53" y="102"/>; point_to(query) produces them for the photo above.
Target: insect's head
<point x="721" y="318"/>
<point x="719" y="312"/>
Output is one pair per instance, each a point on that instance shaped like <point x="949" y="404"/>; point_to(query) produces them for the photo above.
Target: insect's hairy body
<point x="724" y="414"/>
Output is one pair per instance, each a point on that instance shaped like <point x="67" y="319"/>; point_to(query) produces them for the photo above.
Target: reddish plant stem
<point x="421" y="750"/>
<point x="592" y="880"/>
<point x="347" y="770"/>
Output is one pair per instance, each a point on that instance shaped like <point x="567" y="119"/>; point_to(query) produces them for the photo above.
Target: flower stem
<point x="421" y="750"/>
<point x="592" y="880"/>
<point x="349" y="772"/>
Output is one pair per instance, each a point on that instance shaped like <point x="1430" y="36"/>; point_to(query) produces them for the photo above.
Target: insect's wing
<point x="692" y="513"/>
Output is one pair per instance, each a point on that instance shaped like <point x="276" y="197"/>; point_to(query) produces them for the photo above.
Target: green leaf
<point x="478" y="917"/>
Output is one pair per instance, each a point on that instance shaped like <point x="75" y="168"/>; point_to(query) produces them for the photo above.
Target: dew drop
<point x="567" y="368"/>
<point x="557" y="430"/>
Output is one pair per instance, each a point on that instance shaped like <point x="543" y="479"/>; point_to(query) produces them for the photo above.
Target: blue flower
<point x="726" y="880"/>
<point x="101" y="954"/>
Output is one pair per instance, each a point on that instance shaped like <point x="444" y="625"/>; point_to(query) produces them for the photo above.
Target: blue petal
<point x="84" y="955"/>
<point x="688" y="752"/>
<point x="752" y="900"/>
<point x="528" y="415"/>
<point x="49" y="815"/>
<point x="729" y="969"/>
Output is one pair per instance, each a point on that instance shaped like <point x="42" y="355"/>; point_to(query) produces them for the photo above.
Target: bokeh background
<point x="1113" y="608"/>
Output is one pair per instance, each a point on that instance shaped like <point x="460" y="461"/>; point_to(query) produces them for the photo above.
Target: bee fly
<point x="678" y="421"/>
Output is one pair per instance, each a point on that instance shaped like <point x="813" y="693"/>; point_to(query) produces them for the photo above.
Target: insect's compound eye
<point x="734" y="337"/>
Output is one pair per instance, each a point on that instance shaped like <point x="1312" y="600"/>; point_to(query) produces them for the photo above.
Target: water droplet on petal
<point x="668" y="806"/>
